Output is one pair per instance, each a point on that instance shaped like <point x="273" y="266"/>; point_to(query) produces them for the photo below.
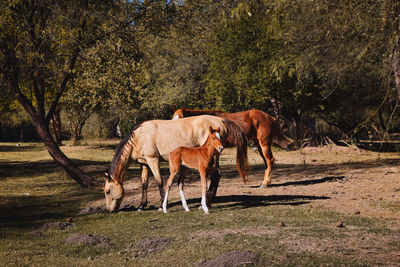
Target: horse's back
<point x="160" y="137"/>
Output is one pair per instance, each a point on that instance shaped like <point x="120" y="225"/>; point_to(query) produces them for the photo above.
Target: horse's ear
<point x="211" y="130"/>
<point x="107" y="177"/>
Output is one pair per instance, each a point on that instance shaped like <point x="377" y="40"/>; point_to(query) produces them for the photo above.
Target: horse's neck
<point x="209" y="149"/>
<point x="122" y="168"/>
<point x="122" y="162"/>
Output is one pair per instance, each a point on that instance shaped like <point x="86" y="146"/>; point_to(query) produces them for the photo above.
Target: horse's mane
<point x="119" y="153"/>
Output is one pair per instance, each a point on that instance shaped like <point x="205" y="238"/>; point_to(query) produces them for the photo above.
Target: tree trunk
<point x="78" y="132"/>
<point x="56" y="123"/>
<point x="76" y="173"/>
<point x="396" y="65"/>
<point x="277" y="107"/>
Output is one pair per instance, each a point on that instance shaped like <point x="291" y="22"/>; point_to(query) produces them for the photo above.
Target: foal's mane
<point x="120" y="158"/>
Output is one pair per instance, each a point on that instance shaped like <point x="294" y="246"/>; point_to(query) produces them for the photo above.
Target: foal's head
<point x="178" y="114"/>
<point x="114" y="193"/>
<point x="215" y="139"/>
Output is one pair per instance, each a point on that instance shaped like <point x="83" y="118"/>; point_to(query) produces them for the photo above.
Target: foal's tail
<point x="237" y="137"/>
<point x="279" y="138"/>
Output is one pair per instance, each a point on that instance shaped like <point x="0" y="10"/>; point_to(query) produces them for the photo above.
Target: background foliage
<point x="298" y="60"/>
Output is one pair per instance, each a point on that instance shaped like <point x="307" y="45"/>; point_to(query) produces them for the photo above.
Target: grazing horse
<point x="152" y="141"/>
<point x="200" y="158"/>
<point x="258" y="126"/>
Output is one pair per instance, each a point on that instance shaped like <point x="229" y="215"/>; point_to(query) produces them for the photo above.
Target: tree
<point x="175" y="61"/>
<point x="326" y="59"/>
<point x="349" y="47"/>
<point x="40" y="45"/>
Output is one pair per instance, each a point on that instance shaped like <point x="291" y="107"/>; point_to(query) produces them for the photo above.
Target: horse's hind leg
<point x="260" y="151"/>
<point x="145" y="183"/>
<point x="154" y="165"/>
<point x="266" y="149"/>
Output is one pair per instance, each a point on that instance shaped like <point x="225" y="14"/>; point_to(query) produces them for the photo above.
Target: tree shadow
<point x="308" y="182"/>
<point x="17" y="148"/>
<point x="29" y="211"/>
<point x="287" y="170"/>
<point x="28" y="169"/>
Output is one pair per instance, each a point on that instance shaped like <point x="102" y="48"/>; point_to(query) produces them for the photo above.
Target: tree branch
<point x="63" y="86"/>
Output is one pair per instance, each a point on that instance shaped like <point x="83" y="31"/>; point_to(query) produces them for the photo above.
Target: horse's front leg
<point x="154" y="165"/>
<point x="145" y="183"/>
<point x="214" y="177"/>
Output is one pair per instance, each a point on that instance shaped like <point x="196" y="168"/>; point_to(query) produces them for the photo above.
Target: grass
<point x="34" y="191"/>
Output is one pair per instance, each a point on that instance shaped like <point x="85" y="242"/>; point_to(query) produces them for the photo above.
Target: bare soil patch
<point x="88" y="239"/>
<point x="149" y="245"/>
<point x="218" y="234"/>
<point x="56" y="225"/>
<point x="366" y="246"/>
<point x="231" y="259"/>
<point x="97" y="209"/>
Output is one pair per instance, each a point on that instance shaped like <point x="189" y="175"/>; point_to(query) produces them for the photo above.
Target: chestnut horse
<point x="152" y="141"/>
<point x="200" y="158"/>
<point x="259" y="127"/>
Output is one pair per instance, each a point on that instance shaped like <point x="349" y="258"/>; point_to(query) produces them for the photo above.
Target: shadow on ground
<point x="249" y="201"/>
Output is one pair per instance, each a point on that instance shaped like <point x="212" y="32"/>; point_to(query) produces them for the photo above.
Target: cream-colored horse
<point x="152" y="141"/>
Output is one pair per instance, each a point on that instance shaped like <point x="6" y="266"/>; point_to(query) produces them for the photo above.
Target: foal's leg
<point x="174" y="171"/>
<point x="145" y="183"/>
<point x="181" y="180"/>
<point x="203" y="189"/>
<point x="154" y="165"/>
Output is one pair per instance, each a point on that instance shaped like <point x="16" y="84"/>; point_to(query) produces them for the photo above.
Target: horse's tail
<point x="237" y="137"/>
<point x="279" y="138"/>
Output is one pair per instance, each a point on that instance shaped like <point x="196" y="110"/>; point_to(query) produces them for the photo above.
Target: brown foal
<point x="200" y="158"/>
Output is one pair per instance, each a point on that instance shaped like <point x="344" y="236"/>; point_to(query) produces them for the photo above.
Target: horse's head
<point x="216" y="139"/>
<point x="178" y="114"/>
<point x="114" y="193"/>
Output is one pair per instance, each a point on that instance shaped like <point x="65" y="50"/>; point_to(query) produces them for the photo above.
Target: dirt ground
<point x="344" y="179"/>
